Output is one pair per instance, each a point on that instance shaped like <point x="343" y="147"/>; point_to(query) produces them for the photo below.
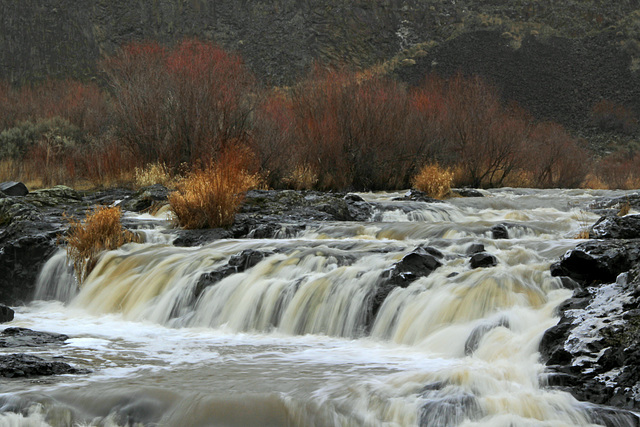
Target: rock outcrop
<point x="594" y="350"/>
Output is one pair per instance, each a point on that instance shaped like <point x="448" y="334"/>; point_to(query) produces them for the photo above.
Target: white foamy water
<point x="294" y="340"/>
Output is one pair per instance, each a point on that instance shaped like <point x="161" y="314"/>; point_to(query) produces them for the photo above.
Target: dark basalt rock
<point x="237" y="264"/>
<point x="25" y="365"/>
<point x="616" y="227"/>
<point x="483" y="259"/>
<point x="190" y="238"/>
<point x="499" y="231"/>
<point x="594" y="350"/>
<point x="476" y="335"/>
<point x="474" y="248"/>
<point x="421" y="262"/>
<point x="614" y="204"/>
<point x="13" y="188"/>
<point x="467" y="192"/>
<point x="416" y="196"/>
<point x="6" y="314"/>
<point x="146" y="198"/>
<point x="598" y="261"/>
<point x="22" y="337"/>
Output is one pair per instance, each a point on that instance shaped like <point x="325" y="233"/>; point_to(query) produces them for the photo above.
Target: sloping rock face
<point x="30" y="226"/>
<point x="594" y="350"/>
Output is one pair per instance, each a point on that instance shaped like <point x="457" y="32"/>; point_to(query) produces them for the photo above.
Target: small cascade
<point x="319" y="326"/>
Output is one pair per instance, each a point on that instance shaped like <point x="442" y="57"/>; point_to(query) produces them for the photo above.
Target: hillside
<point x="557" y="59"/>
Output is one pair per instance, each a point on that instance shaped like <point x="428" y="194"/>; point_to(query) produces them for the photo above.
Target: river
<point x="291" y="341"/>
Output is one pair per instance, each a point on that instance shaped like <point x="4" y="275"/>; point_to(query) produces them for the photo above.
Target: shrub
<point x="180" y="104"/>
<point x="101" y="230"/>
<point x="153" y="173"/>
<point x="620" y="170"/>
<point x="609" y="116"/>
<point x="434" y="180"/>
<point x="479" y="134"/>
<point x="555" y="158"/>
<point x="353" y="132"/>
<point x="210" y="196"/>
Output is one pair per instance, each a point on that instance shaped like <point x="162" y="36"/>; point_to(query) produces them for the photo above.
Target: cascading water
<point x="292" y="339"/>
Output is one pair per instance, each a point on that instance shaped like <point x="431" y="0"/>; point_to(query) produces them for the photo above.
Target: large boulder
<point x="145" y="198"/>
<point x="13" y="188"/>
<point x="594" y="350"/>
<point x="616" y="227"/>
<point x="6" y="314"/>
<point x="26" y="365"/>
<point x="482" y="259"/>
<point x="23" y="337"/>
<point x="420" y="262"/>
<point x="598" y="261"/>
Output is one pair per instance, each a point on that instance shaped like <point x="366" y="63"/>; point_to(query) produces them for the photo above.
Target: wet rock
<point x="569" y="283"/>
<point x="615" y="203"/>
<point x="467" y="192"/>
<point x="22" y="337"/>
<point x="191" y="238"/>
<point x="616" y="227"/>
<point x="416" y="196"/>
<point x="353" y="198"/>
<point x="594" y="350"/>
<point x="598" y="261"/>
<point x="13" y="188"/>
<point x="445" y="409"/>
<point x="483" y="259"/>
<point x="237" y="264"/>
<point x="499" y="231"/>
<point x="25" y="365"/>
<point x="146" y="198"/>
<point x="6" y="314"/>
<point x="419" y="263"/>
<point x="613" y="417"/>
<point x="476" y="335"/>
<point x="474" y="248"/>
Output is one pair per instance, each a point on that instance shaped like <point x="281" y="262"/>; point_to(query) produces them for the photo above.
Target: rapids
<point x="291" y="341"/>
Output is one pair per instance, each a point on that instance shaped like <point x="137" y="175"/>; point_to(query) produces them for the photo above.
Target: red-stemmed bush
<point x="181" y="104"/>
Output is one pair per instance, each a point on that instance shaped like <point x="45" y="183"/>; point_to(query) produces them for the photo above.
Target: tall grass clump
<point x="101" y="230"/>
<point x="434" y="180"/>
<point x="210" y="196"/>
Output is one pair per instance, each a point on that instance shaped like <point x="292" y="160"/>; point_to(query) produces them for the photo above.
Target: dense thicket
<point x="180" y="107"/>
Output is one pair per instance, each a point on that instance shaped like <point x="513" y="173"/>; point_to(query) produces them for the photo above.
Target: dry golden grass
<point x="101" y="230"/>
<point x="624" y="209"/>
<point x="434" y="180"/>
<point x="153" y="173"/>
<point x="301" y="178"/>
<point x="211" y="196"/>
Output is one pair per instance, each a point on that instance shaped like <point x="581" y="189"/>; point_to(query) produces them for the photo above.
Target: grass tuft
<point x="101" y="230"/>
<point x="210" y="197"/>
<point x="434" y="180"/>
<point x="153" y="173"/>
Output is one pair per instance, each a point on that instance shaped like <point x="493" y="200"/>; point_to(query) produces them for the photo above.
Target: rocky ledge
<point x="15" y="365"/>
<point x="594" y="350"/>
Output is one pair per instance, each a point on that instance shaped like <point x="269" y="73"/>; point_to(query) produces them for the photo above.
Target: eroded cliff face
<point x="557" y="59"/>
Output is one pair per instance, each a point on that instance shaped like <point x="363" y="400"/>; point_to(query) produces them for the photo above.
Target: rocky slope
<point x="557" y="59"/>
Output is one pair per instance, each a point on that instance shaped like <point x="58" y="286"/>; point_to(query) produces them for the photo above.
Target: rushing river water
<point x="290" y="342"/>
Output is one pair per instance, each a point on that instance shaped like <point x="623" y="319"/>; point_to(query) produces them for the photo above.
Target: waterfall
<point x="309" y="329"/>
